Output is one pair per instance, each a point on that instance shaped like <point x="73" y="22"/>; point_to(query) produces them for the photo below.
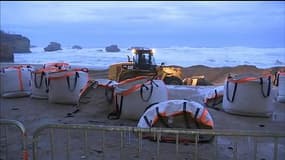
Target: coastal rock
<point x="53" y="46"/>
<point x="18" y="43"/>
<point x="6" y="53"/>
<point x="112" y="48"/>
<point x="76" y="47"/>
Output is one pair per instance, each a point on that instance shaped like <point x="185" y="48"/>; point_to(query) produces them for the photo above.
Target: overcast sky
<point x="150" y="24"/>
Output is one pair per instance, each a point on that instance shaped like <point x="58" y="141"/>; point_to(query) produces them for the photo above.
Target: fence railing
<point x="11" y="138"/>
<point x="122" y="142"/>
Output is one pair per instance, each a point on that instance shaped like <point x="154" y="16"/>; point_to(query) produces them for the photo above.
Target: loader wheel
<point x="172" y="81"/>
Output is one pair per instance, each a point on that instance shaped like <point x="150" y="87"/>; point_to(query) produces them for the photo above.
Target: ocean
<point x="97" y="58"/>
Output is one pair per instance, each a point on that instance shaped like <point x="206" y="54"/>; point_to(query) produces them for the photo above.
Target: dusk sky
<point x="151" y="24"/>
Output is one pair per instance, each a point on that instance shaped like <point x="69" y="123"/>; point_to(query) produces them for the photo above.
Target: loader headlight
<point x="133" y="51"/>
<point x="152" y="51"/>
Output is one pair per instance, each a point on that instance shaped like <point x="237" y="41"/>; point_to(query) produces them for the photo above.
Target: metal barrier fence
<point x="13" y="146"/>
<point x="80" y="141"/>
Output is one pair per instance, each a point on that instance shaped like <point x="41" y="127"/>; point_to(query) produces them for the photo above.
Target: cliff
<point x="6" y="53"/>
<point x="18" y="43"/>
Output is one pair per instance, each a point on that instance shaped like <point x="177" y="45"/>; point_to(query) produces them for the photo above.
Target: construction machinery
<point x="143" y="64"/>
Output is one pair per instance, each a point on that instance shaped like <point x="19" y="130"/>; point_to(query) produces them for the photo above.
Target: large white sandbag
<point x="15" y="81"/>
<point x="133" y="96"/>
<point x="39" y="82"/>
<point x="248" y="94"/>
<point x="39" y="78"/>
<point x="66" y="86"/>
<point x="281" y="87"/>
<point x="194" y="93"/>
<point x="177" y="114"/>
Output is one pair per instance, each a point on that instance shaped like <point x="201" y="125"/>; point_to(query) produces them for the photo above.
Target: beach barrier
<point x="133" y="96"/>
<point x="15" y="81"/>
<point x="83" y="141"/>
<point x="177" y="114"/>
<point x="248" y="94"/>
<point x="13" y="140"/>
<point x="280" y="83"/>
<point x="65" y="87"/>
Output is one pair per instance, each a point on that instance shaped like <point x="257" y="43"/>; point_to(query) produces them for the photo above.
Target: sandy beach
<point x="93" y="110"/>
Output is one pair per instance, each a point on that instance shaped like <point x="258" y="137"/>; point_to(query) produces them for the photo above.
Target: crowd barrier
<point x="122" y="142"/>
<point x="13" y="146"/>
<point x="83" y="141"/>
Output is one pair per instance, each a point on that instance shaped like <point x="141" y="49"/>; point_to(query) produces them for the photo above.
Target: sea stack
<point x="112" y="48"/>
<point x="76" y="47"/>
<point x="53" y="46"/>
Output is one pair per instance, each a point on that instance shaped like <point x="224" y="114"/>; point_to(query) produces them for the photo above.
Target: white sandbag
<point x="106" y="82"/>
<point x="106" y="86"/>
<point x="194" y="93"/>
<point x="15" y="81"/>
<point x="66" y="86"/>
<point x="248" y="94"/>
<point x="281" y="87"/>
<point x="133" y="96"/>
<point x="214" y="97"/>
<point x="58" y="65"/>
<point x="177" y="114"/>
<point x="39" y="82"/>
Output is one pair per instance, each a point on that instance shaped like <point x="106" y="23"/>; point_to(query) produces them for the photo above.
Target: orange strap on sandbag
<point x="57" y="64"/>
<point x="247" y="79"/>
<point x="39" y="71"/>
<point x="244" y="80"/>
<point x="18" y="67"/>
<point x="132" y="79"/>
<point x="20" y="79"/>
<point x="131" y="90"/>
<point x="204" y="120"/>
<point x="81" y="69"/>
<point x="25" y="155"/>
<point x="68" y="74"/>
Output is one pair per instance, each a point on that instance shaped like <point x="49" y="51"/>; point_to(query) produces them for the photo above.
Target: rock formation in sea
<point x="76" y="47"/>
<point x="112" y="48"/>
<point x="6" y="53"/>
<point x="17" y="42"/>
<point x="53" y="46"/>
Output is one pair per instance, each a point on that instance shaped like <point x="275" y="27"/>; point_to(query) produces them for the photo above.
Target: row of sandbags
<point x="57" y="82"/>
<point x="244" y="94"/>
<point x="155" y="104"/>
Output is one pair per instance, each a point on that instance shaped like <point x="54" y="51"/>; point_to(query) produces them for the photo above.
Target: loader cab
<point x="143" y="59"/>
